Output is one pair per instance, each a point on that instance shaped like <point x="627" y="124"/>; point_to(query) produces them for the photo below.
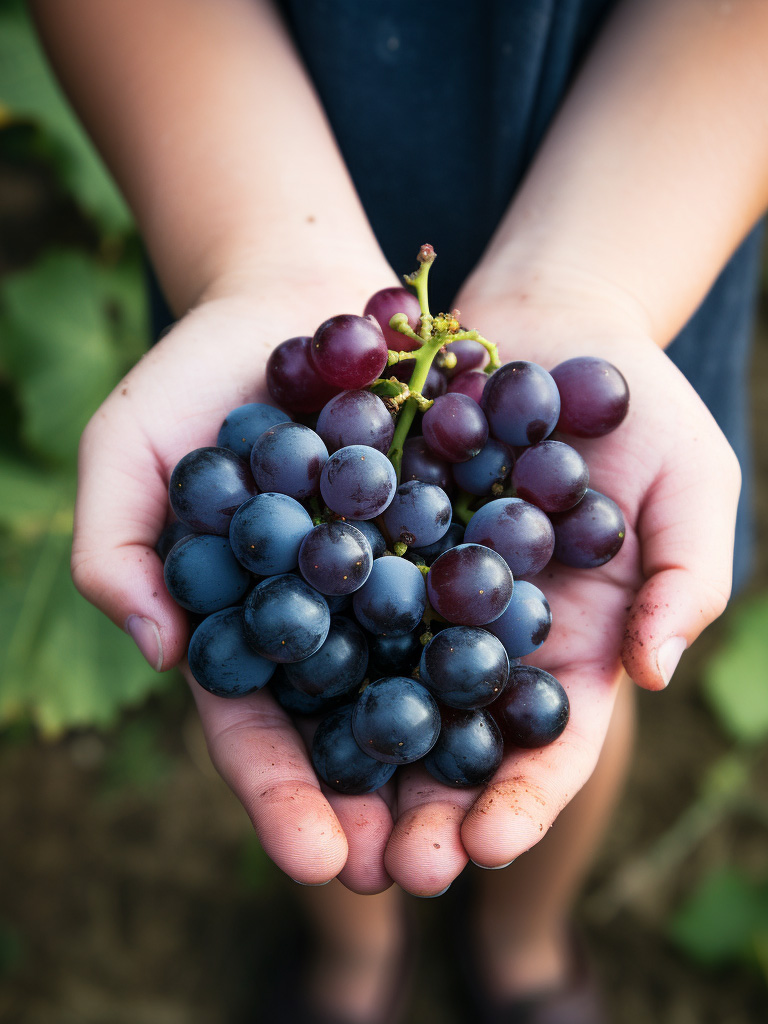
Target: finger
<point x="367" y="823"/>
<point x="686" y="529"/>
<point x="531" y="787"/>
<point x="425" y="854"/>
<point x="262" y="758"/>
<point x="120" y="511"/>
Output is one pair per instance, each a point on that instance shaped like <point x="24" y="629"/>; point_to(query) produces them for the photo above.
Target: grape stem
<point x="461" y="509"/>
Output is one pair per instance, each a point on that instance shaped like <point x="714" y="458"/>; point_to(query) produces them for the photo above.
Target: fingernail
<point x="310" y="885"/>
<point x="493" y="867"/>
<point x="429" y="895"/>
<point x="146" y="636"/>
<point x="669" y="655"/>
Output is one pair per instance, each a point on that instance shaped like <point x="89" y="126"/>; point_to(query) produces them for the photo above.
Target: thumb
<point x="119" y="513"/>
<point x="686" y="529"/>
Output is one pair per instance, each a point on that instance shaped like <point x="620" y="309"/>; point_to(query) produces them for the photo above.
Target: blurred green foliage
<point x="70" y="326"/>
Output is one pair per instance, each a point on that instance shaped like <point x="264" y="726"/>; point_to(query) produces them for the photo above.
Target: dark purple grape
<point x="339" y="761"/>
<point x="297" y="703"/>
<point x="468" y="751"/>
<point x="551" y="475"/>
<point x="472" y="384"/>
<point x="285" y="619"/>
<point x="207" y="487"/>
<point x="453" y="535"/>
<point x="419" y="462"/>
<point x="245" y="424"/>
<point x="521" y="402"/>
<point x="171" y="533"/>
<point x="337" y="667"/>
<point x="470" y="355"/>
<point x="435" y="385"/>
<point x="525" y="624"/>
<point x="373" y="535"/>
<point x="203" y="576"/>
<point x="521" y="533"/>
<point x="455" y="427"/>
<point x="419" y="514"/>
<point x="396" y="720"/>
<point x="492" y="465"/>
<point x="222" y="661"/>
<point x="356" y="417"/>
<point x="335" y="558"/>
<point x="594" y="396"/>
<point x="358" y="482"/>
<point x="392" y="600"/>
<point x="349" y="351"/>
<point x="292" y="380"/>
<point x="384" y="304"/>
<point x="589" y="534"/>
<point x="534" y="708"/>
<point x="464" y="667"/>
<point x="395" y="655"/>
<point x="266" y="533"/>
<point x="289" y="458"/>
<point x="469" y="585"/>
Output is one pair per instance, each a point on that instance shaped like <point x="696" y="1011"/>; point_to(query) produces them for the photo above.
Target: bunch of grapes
<point x="374" y="568"/>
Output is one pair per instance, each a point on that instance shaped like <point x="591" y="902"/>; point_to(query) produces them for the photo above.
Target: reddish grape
<point x="383" y="305"/>
<point x="470" y="384"/>
<point x="589" y="534"/>
<point x="455" y="427"/>
<point x="356" y="417"/>
<point x="470" y="355"/>
<point x="521" y="402"/>
<point x="469" y="585"/>
<point x="349" y="351"/>
<point x="594" y="396"/>
<point x="520" y="532"/>
<point x="421" y="463"/>
<point x="292" y="380"/>
<point x="534" y="708"/>
<point x="551" y="475"/>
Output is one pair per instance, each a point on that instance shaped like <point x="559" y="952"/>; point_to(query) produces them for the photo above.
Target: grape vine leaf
<point x="735" y="676"/>
<point x="29" y="93"/>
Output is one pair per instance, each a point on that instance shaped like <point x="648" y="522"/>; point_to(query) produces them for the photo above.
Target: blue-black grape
<point x="222" y="661"/>
<point x="521" y="402"/>
<point x="286" y="620"/>
<point x="356" y="417"/>
<point x="392" y="600"/>
<point x="288" y="458"/>
<point x="469" y="585"/>
<point x="521" y="533"/>
<point x="533" y="710"/>
<point x="525" y="624"/>
<point x="358" y="482"/>
<point x="453" y="535"/>
<point x="373" y="535"/>
<point x="171" y="533"/>
<point x="297" y="703"/>
<point x="468" y="751"/>
<point x="594" y="396"/>
<point x="419" y="514"/>
<point x="335" y="558"/>
<point x="266" y="533"/>
<point x="419" y="462"/>
<point x="202" y="574"/>
<point x="396" y="720"/>
<point x="455" y="427"/>
<point x="395" y="655"/>
<point x="435" y="385"/>
<point x="490" y="467"/>
<point x="340" y="762"/>
<point x="207" y="487"/>
<point x="590" y="533"/>
<point x="245" y="424"/>
<point x="464" y="667"/>
<point x="349" y="351"/>
<point x="337" y="667"/>
<point x="551" y="475"/>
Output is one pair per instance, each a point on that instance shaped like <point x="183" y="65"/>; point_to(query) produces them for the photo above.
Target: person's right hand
<point x="171" y="402"/>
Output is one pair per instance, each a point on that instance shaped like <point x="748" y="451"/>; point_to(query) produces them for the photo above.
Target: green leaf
<point x="31" y="499"/>
<point x="29" y="92"/>
<point x="735" y="677"/>
<point x="725" y="919"/>
<point x="62" y="663"/>
<point x="58" y="347"/>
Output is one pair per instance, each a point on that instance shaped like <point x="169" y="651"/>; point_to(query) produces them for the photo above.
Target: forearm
<point x="654" y="170"/>
<point x="205" y="116"/>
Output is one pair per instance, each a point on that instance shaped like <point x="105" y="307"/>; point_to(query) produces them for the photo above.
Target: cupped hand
<point x="171" y="402"/>
<point x="677" y="481"/>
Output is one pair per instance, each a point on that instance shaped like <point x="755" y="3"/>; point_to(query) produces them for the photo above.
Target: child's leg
<point x="522" y="912"/>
